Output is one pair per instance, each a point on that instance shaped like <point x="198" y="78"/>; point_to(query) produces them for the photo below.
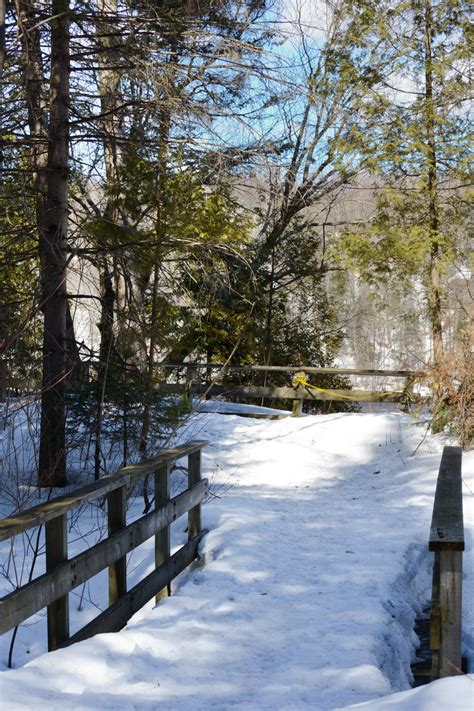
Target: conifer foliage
<point x="170" y="178"/>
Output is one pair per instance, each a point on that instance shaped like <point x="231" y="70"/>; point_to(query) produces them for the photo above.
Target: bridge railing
<point x="195" y="384"/>
<point x="300" y="390"/>
<point x="63" y="574"/>
<point x="447" y="543"/>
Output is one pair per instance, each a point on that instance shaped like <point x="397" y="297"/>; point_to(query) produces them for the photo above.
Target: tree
<point x="324" y="73"/>
<point x="419" y="151"/>
<point x="96" y="83"/>
<point x="47" y="102"/>
<point x="3" y="12"/>
<point x="172" y="80"/>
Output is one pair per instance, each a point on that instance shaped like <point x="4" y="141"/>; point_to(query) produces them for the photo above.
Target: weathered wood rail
<point x="277" y="393"/>
<point x="291" y="369"/>
<point x="447" y="543"/>
<point x="298" y="395"/>
<point x="194" y="385"/>
<point x="63" y="574"/>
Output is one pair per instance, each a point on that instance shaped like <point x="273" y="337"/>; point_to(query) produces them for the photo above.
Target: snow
<point x="455" y="693"/>
<point x="312" y="573"/>
<point x="234" y="408"/>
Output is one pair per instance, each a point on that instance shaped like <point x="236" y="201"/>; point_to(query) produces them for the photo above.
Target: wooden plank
<point x="283" y="393"/>
<point x="447" y="526"/>
<point x="24" y="602"/>
<point x="116" y="617"/>
<point x="194" y="477"/>
<point x="297" y="408"/>
<point x="293" y="369"/>
<point x="435" y="665"/>
<point x="162" y="538"/>
<point x="56" y="553"/>
<point x="47" y="511"/>
<point x="450" y="608"/>
<point x="435" y="634"/>
<point x="116" y="520"/>
<point x="435" y="620"/>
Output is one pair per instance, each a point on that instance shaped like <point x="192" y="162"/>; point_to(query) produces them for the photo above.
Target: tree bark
<point x="106" y="329"/>
<point x="2" y="35"/>
<point x="268" y="341"/>
<point x="74" y="367"/>
<point x="165" y="122"/>
<point x="434" y="268"/>
<point x="50" y="183"/>
<point x="109" y="88"/>
<point x="53" y="254"/>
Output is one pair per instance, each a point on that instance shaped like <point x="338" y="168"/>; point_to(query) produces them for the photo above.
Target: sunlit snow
<point x="312" y="573"/>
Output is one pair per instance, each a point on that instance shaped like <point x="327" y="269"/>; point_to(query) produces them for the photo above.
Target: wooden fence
<point x="290" y="369"/>
<point x="195" y="384"/>
<point x="300" y="393"/>
<point x="63" y="574"/>
<point x="447" y="542"/>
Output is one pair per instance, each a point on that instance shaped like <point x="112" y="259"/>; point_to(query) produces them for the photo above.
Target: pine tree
<point x="418" y="151"/>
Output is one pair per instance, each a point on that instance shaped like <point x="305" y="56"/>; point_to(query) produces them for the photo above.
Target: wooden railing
<point x="447" y="542"/>
<point x="290" y="369"/>
<point x="194" y="386"/>
<point x="63" y="574"/>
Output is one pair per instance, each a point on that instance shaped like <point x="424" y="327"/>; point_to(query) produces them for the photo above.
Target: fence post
<point x="162" y="538"/>
<point x="191" y="375"/>
<point x="56" y="552"/>
<point x="116" y="514"/>
<point x="450" y="596"/>
<point x="194" y="475"/>
<point x="435" y="630"/>
<point x="447" y="540"/>
<point x="407" y="395"/>
<point x="297" y="409"/>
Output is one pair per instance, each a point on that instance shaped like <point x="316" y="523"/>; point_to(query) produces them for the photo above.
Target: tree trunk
<point x="73" y="359"/>
<point x="53" y="254"/>
<point x="106" y="329"/>
<point x="109" y="88"/>
<point x="2" y="35"/>
<point x="151" y="356"/>
<point x="268" y="337"/>
<point x="164" y="138"/>
<point x="434" y="295"/>
<point x="50" y="164"/>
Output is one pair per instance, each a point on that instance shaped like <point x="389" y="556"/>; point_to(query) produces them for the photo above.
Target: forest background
<point x="247" y="182"/>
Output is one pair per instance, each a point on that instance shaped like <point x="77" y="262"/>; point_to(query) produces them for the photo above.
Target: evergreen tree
<point x="419" y="149"/>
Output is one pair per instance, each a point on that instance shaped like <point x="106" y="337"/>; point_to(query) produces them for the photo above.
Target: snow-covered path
<point x="313" y="570"/>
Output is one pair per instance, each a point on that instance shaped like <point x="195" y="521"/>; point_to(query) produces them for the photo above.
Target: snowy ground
<point x="314" y="568"/>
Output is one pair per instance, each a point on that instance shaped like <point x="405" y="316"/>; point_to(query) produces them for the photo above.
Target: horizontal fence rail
<point x="278" y="393"/>
<point x="447" y="543"/>
<point x="293" y="369"/>
<point x="300" y="391"/>
<point x="194" y="385"/>
<point x="63" y="574"/>
<point x="297" y="395"/>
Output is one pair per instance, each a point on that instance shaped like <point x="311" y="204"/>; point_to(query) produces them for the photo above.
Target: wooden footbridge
<point x="63" y="573"/>
<point x="447" y="543"/>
